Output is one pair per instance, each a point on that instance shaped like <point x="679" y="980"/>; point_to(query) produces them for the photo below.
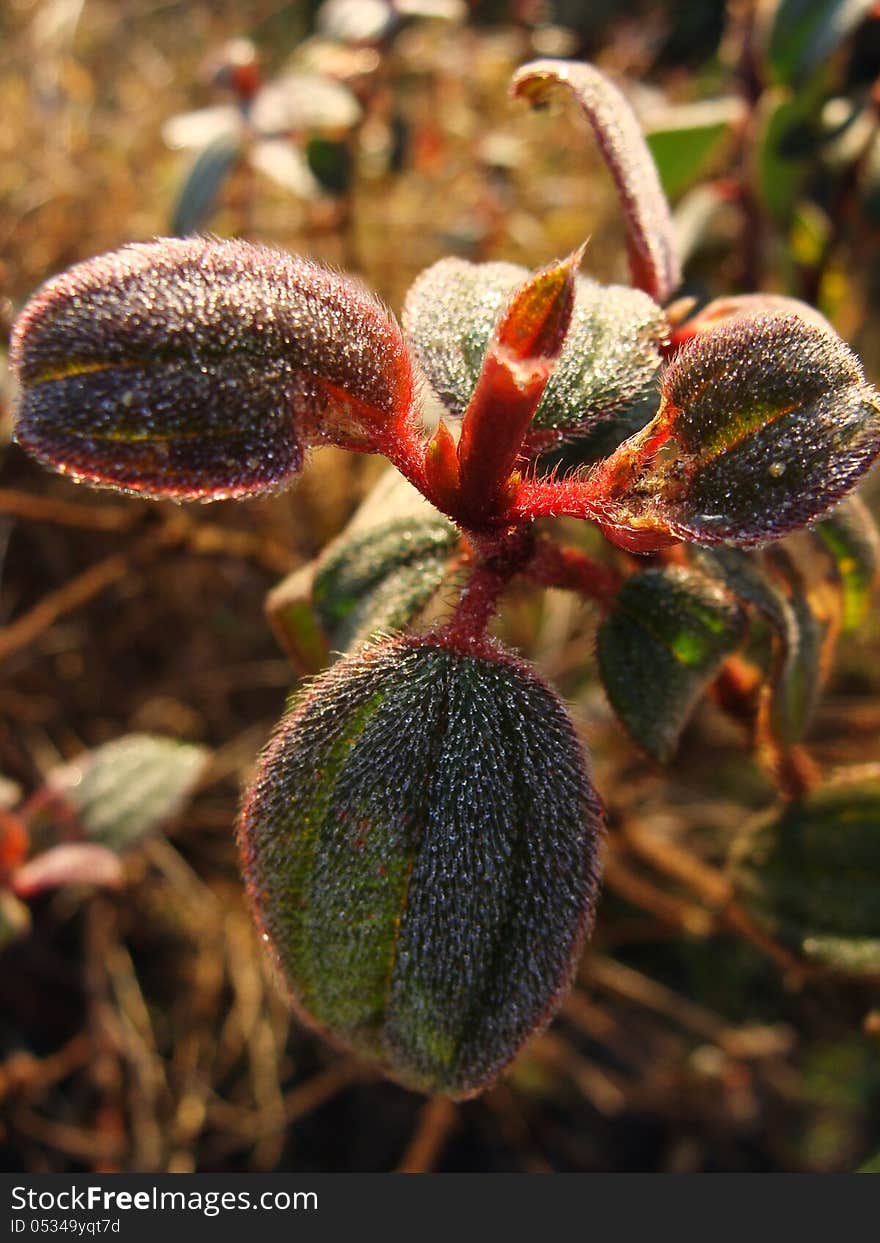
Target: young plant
<point x="422" y="839"/>
<point x="272" y="126"/>
<point x="77" y="827"/>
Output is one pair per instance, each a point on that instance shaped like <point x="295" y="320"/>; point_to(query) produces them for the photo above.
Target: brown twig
<point x="605" y="1091"/>
<point x="66" y="513"/>
<point x="667" y="907"/>
<point x="436" y="1121"/>
<point x="715" y="890"/>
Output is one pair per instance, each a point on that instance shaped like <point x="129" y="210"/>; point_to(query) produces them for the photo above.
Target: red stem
<point x="476" y="607"/>
<point x="404" y="448"/>
<point x="553" y="565"/>
<point x="574" y="497"/>
<point x="497" y="559"/>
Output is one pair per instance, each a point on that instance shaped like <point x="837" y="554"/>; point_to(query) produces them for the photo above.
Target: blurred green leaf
<point x="125" y="790"/>
<point x="798" y="683"/>
<point x="331" y="163"/>
<point x="850" y="536"/>
<point x="198" y="195"/>
<point x="664" y="642"/>
<point x="870" y="183"/>
<point x="804" y="33"/>
<point x="810" y="874"/>
<point x="685" y="138"/>
<point x="787" y="139"/>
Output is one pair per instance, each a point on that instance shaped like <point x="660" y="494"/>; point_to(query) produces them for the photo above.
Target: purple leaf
<point x="765" y="423"/>
<point x="197" y="369"/>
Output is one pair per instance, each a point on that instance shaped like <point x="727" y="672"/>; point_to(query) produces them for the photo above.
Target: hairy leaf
<point x="745" y="576"/>
<point x="201" y="369"/>
<point x="608" y="363"/>
<point x="420" y="846"/>
<point x="379" y="575"/>
<point x="765" y="423"/>
<point x="653" y="259"/>
<point x="792" y="665"/>
<point x="665" y="640"/>
<point x="123" y="791"/>
<point x="747" y="305"/>
<point x="809" y="874"/>
<point x="382" y="579"/>
<point x="803" y="626"/>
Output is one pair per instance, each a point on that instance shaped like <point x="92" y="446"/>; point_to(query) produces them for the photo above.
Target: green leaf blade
<point x="663" y="643"/>
<point x="808" y="874"/>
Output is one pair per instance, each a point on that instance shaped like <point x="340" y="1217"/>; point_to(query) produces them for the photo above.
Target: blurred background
<point x="141" y="1028"/>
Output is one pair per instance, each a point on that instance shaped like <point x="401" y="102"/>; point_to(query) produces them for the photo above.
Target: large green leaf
<point x="420" y="846"/>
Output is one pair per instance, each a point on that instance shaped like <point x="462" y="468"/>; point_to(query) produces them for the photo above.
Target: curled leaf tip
<point x="654" y="263"/>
